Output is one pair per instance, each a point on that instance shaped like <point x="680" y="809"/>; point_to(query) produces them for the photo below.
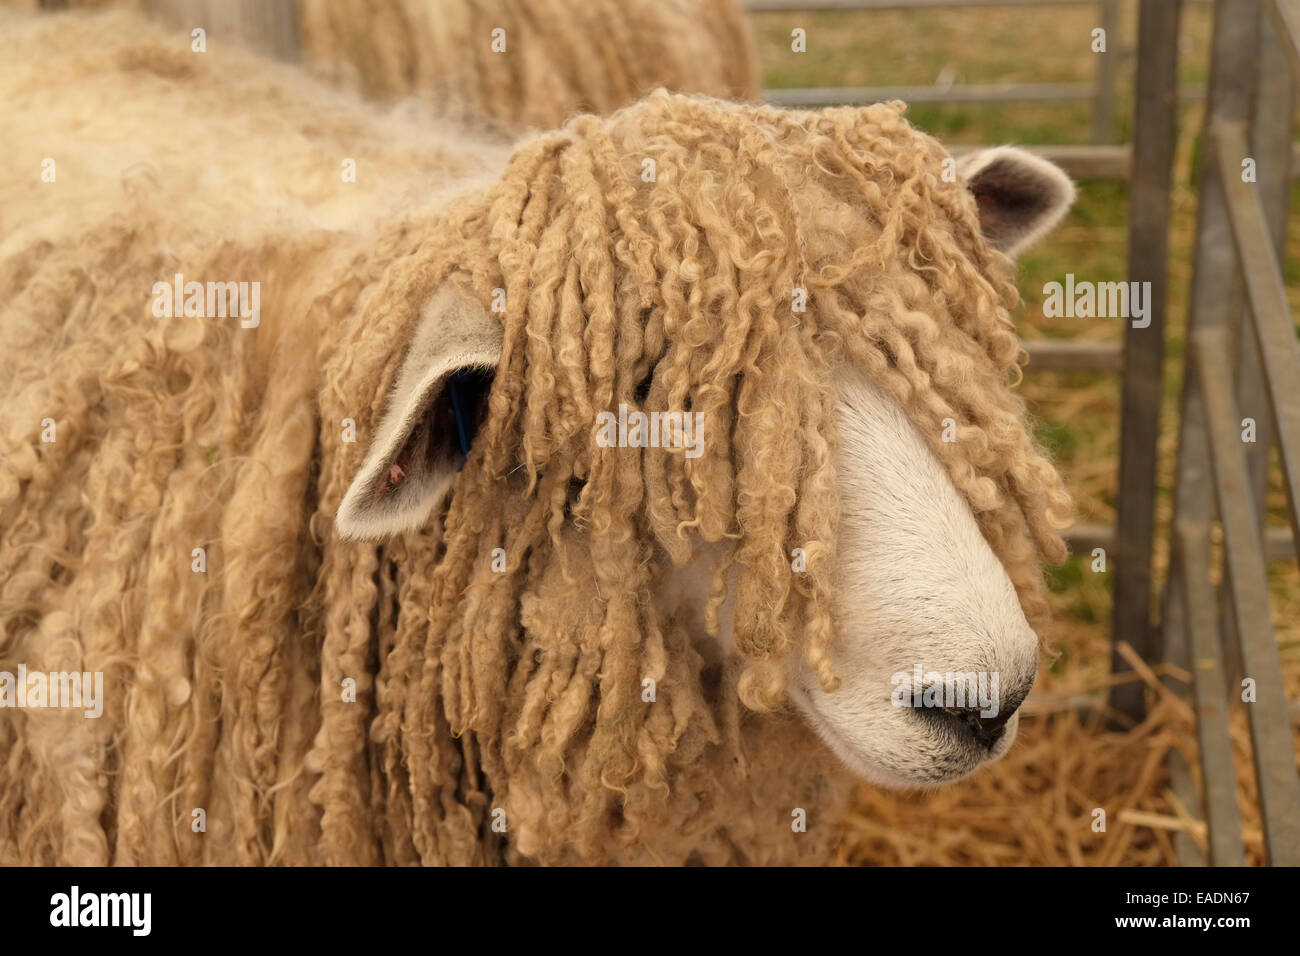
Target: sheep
<point x="550" y="58"/>
<point x="362" y="584"/>
<point x="511" y="64"/>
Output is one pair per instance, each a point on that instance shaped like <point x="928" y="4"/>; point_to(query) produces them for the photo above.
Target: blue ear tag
<point x="458" y="409"/>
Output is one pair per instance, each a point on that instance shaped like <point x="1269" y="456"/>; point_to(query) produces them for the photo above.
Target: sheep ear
<point x="437" y="401"/>
<point x="1020" y="196"/>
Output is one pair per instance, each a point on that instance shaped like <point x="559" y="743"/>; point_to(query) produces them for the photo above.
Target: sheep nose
<point x="970" y="722"/>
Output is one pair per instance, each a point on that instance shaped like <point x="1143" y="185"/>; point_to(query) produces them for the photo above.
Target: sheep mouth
<point x="961" y="761"/>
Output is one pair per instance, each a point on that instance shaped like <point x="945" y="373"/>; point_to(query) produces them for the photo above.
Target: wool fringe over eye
<point x="484" y="699"/>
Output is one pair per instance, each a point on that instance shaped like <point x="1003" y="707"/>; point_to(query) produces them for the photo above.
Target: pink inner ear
<point x="392" y="478"/>
<point x="986" y="203"/>
<point x="417" y="443"/>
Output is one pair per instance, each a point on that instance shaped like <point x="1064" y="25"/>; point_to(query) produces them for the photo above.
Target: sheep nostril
<point x="970" y="722"/>
<point x="986" y="730"/>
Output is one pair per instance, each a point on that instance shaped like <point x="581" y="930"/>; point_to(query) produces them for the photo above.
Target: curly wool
<point x="475" y="691"/>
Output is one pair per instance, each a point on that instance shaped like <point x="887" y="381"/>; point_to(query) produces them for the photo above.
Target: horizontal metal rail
<point x="1080" y="162"/>
<point x="1279" y="544"/>
<point x="777" y="6"/>
<point x="812" y="6"/>
<point x="932" y="93"/>
<point x="1072" y="355"/>
<point x="927" y="93"/>
<point x="1082" y="538"/>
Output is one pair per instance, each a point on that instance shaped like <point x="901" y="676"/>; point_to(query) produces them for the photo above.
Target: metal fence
<point x="1243" y="367"/>
<point x="1243" y="362"/>
<point x="1101" y="92"/>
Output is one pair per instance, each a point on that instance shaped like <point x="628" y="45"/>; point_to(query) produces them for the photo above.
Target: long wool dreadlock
<point x="685" y="282"/>
<point x="660" y="285"/>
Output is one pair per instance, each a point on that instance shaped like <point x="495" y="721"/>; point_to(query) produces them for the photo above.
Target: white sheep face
<point x="932" y="649"/>
<point x="931" y="601"/>
<point x="919" y="589"/>
<point x="925" y="612"/>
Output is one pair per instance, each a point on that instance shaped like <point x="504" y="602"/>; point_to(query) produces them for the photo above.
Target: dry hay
<point x="1036" y="806"/>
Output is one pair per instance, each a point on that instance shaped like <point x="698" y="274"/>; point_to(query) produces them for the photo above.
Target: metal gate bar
<point x="1154" y="139"/>
<point x="1101" y="91"/>
<point x="1238" y="246"/>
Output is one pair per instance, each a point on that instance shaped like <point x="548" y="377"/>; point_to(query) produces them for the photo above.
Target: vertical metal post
<point x="1151" y="179"/>
<point x="1270" y="144"/>
<point x="1215" y="298"/>
<point x="1103" y="110"/>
